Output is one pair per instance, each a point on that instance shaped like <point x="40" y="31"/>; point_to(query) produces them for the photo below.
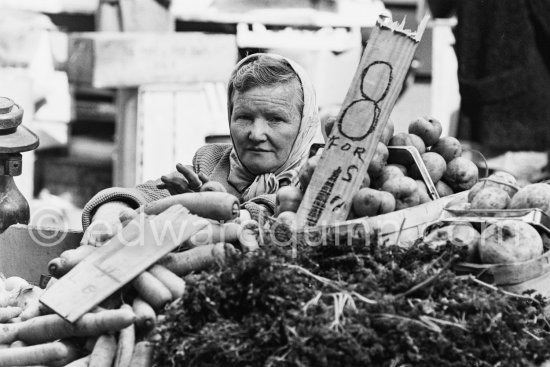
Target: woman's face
<point x="264" y="124"/>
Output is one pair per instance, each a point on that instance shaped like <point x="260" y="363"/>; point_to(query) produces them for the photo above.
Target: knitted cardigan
<point x="211" y="160"/>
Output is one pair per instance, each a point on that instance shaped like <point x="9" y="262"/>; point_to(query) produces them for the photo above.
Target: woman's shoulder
<point x="208" y="156"/>
<point x="213" y="150"/>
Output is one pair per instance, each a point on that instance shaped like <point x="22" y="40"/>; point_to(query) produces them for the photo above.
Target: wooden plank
<point x="26" y="250"/>
<point x="360" y="123"/>
<point x="130" y="59"/>
<point x="141" y="243"/>
<point x="145" y="15"/>
<point x="125" y="162"/>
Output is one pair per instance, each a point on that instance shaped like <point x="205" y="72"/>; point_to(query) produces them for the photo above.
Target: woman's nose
<point x="258" y="130"/>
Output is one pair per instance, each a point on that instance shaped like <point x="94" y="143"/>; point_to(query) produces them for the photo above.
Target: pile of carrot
<point x="116" y="333"/>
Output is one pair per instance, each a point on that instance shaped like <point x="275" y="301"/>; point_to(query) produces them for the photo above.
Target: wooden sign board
<point x="141" y="244"/>
<point x="360" y="123"/>
<point x="130" y="59"/>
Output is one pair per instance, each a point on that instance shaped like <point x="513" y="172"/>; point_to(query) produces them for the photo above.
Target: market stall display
<point x="191" y="280"/>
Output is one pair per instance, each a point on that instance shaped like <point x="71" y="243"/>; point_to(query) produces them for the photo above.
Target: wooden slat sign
<point x="141" y="243"/>
<point x="360" y="123"/>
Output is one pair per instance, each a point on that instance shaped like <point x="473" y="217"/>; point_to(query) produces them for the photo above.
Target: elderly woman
<point x="272" y="121"/>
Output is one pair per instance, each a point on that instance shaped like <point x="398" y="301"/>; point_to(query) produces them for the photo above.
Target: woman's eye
<point x="275" y="119"/>
<point x="242" y="118"/>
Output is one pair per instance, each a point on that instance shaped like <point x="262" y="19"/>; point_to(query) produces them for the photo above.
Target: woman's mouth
<point x="258" y="150"/>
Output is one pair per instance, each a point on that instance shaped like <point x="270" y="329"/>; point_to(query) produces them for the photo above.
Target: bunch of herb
<point x="362" y="304"/>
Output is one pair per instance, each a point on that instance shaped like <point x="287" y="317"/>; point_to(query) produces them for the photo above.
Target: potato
<point x="404" y="190"/>
<point x="428" y="128"/>
<point x="404" y="139"/>
<point x="532" y="196"/>
<point x="491" y="198"/>
<point x="458" y="234"/>
<point x="366" y="181"/>
<point x="435" y="164"/>
<point x="447" y="147"/>
<point x="379" y="160"/>
<point x="443" y="189"/>
<point x="461" y="174"/>
<point x="390" y="171"/>
<point x="388" y="132"/>
<point x="369" y="202"/>
<point x="306" y="172"/>
<point x="509" y="241"/>
<point x="422" y="192"/>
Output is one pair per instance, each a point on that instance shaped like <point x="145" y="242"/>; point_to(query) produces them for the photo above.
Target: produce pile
<point x="393" y="181"/>
<point x="498" y="242"/>
<point x="359" y="305"/>
<point x="116" y="332"/>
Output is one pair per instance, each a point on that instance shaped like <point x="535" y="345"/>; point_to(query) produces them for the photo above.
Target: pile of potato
<point x="116" y="333"/>
<point x="505" y="241"/>
<point x="394" y="182"/>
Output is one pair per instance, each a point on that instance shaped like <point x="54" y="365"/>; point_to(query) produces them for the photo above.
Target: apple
<point x="509" y="241"/>
<point x="379" y="160"/>
<point x="448" y="147"/>
<point x="491" y="198"/>
<point x="428" y="128"/>
<point x="435" y="164"/>
<point x="404" y="190"/>
<point x="461" y="174"/>
<point x="369" y="202"/>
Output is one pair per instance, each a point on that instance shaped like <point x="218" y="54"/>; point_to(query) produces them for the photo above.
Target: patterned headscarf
<point x="251" y="185"/>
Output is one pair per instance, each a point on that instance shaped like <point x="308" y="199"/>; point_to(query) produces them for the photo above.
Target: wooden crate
<point x="26" y="250"/>
<point x="165" y="124"/>
<point x="402" y="227"/>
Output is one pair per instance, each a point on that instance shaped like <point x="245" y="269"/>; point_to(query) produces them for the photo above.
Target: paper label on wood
<point x="359" y="125"/>
<point x="118" y="262"/>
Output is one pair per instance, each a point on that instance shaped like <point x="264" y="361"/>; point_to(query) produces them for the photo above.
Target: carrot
<point x="127" y="216"/>
<point x="125" y="346"/>
<point x="212" y="205"/>
<point x="198" y="258"/>
<point x="9" y="312"/>
<point x="214" y="233"/>
<point x="248" y="238"/>
<point x="52" y="327"/>
<point x="68" y="260"/>
<point x="152" y="290"/>
<point x="145" y="315"/>
<point x="143" y="355"/>
<point x="81" y="362"/>
<point x="57" y="353"/>
<point x="175" y="284"/>
<point x="104" y="351"/>
<point x="213" y="186"/>
<point x="18" y="344"/>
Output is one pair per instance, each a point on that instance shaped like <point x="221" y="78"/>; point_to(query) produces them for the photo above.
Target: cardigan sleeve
<point x="205" y="160"/>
